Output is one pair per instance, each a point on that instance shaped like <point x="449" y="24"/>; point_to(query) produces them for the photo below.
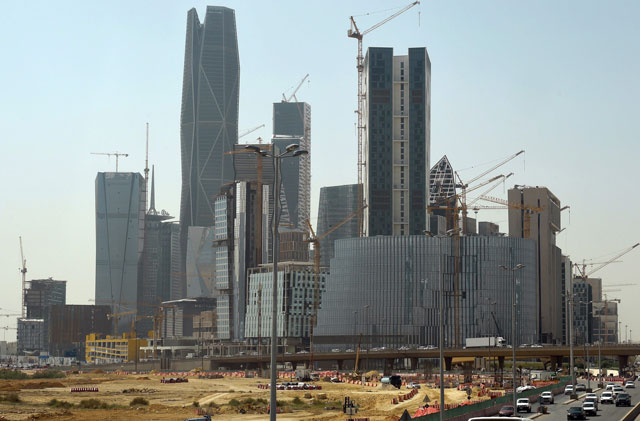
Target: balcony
<point x="400" y="186"/>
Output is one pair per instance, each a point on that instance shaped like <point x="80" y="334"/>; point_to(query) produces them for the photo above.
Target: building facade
<point x="120" y="215"/>
<point x="442" y="188"/>
<point x="209" y="115"/>
<point x="397" y="115"/>
<point x="42" y="293"/>
<point x="337" y="203"/>
<point x="582" y="312"/>
<point x="292" y="124"/>
<point x="387" y="288"/>
<point x="31" y="336"/>
<point x="605" y="322"/>
<point x="542" y="226"/>
<point x="68" y="326"/>
<point x="298" y="290"/>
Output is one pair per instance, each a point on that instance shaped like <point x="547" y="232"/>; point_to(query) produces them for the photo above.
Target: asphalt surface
<point x="606" y="412"/>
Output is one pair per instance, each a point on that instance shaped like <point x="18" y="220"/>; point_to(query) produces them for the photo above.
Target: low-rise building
<point x="110" y="349"/>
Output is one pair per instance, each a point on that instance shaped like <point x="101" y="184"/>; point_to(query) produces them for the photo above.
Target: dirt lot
<point x="229" y="398"/>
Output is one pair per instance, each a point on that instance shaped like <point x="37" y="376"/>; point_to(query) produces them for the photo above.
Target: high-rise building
<point x="292" y="124"/>
<point x="582" y="312"/>
<point x="159" y="267"/>
<point x="209" y="116"/>
<point x="42" y="293"/>
<point x="336" y="204"/>
<point x="397" y="119"/>
<point x="542" y="227"/>
<point x="120" y="214"/>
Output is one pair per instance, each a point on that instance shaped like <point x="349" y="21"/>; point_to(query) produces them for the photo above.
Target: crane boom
<point x="249" y="131"/>
<point x="293" y="94"/>
<point x="486" y="192"/>
<point x="501" y="163"/>
<point x="617" y="256"/>
<point x="110" y="154"/>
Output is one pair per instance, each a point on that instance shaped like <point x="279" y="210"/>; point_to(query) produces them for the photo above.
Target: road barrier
<point x="83" y="389"/>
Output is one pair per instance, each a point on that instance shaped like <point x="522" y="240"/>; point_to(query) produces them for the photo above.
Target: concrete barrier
<point x="632" y="414"/>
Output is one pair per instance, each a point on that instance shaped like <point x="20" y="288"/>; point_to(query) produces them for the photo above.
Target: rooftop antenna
<point x="146" y="167"/>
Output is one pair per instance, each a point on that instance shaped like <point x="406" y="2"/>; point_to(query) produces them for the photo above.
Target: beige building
<point x="542" y="226"/>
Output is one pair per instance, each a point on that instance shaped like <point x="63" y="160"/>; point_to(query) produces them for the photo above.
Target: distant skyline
<point x="558" y="79"/>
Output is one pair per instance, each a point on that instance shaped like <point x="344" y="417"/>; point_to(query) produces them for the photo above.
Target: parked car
<point x="568" y="390"/>
<point x="589" y="408"/>
<point x="546" y="397"/>
<point x="576" y="413"/>
<point x="606" y="397"/>
<point x="413" y="385"/>
<point x="523" y="405"/>
<point x="623" y="399"/>
<point x="506" y="411"/>
<point x="629" y="385"/>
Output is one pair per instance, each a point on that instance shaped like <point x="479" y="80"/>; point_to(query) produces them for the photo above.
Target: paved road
<point x="558" y="411"/>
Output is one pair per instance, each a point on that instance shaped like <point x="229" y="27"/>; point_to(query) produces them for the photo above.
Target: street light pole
<point x="290" y="152"/>
<point x="514" y="342"/>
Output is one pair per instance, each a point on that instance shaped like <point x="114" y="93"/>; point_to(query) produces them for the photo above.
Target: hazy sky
<point x="556" y="78"/>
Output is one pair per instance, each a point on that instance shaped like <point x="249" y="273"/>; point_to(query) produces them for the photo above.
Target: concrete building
<point x="605" y="322"/>
<point x="68" y="326"/>
<point x="292" y="124"/>
<point x="542" y="227"/>
<point x="120" y="215"/>
<point x="488" y="229"/>
<point x="336" y="204"/>
<point x="209" y="115"/>
<point x="101" y="349"/>
<point x="397" y="120"/>
<point x="582" y="313"/>
<point x="31" y="336"/>
<point x="442" y="188"/>
<point x="296" y="295"/>
<point x="177" y="322"/>
<point x="387" y="289"/>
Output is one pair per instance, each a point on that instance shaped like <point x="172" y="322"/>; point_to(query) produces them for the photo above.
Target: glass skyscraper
<point x="336" y="204"/>
<point x="120" y="215"/>
<point x="209" y="116"/>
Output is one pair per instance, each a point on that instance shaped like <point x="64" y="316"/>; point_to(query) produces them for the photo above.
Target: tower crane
<point x="315" y="240"/>
<point x="293" y="94"/>
<point x="582" y="271"/>
<point x="23" y="271"/>
<point x="528" y="210"/>
<point x="110" y="154"/>
<point x="117" y="316"/>
<point x="354" y="32"/>
<point x="249" y="131"/>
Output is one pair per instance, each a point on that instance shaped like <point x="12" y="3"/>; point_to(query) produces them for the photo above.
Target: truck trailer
<point x="496" y="341"/>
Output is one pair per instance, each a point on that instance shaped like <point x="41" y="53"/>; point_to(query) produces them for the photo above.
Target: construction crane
<point x="249" y="131"/>
<point x="110" y="154"/>
<point x="23" y="271"/>
<point x="117" y="316"/>
<point x="528" y="210"/>
<point x="354" y="32"/>
<point x="582" y="271"/>
<point x="293" y="95"/>
<point x="315" y="240"/>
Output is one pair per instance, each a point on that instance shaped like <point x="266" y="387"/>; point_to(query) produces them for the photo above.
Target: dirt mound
<point x="23" y="385"/>
<point x="142" y="378"/>
<point x="97" y="371"/>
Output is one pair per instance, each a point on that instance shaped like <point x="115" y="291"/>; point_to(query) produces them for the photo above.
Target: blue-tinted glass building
<point x="209" y="115"/>
<point x="387" y="289"/>
<point x="336" y="204"/>
<point x="397" y="117"/>
<point x="120" y="216"/>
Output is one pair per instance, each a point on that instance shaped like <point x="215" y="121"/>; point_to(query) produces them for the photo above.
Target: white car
<point x="523" y="405"/>
<point x="568" y="390"/>
<point x="589" y="408"/>
<point x="546" y="397"/>
<point x="629" y="385"/>
<point x="617" y="389"/>
<point x="592" y="399"/>
<point x="606" y="397"/>
<point x="523" y="388"/>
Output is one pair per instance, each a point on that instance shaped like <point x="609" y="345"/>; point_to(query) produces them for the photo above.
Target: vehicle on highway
<point x="546" y="397"/>
<point x="506" y="411"/>
<point x="536" y="346"/>
<point x="335" y="350"/>
<point x="497" y="418"/>
<point x="610" y="386"/>
<point x="629" y="385"/>
<point x="576" y="413"/>
<point x="581" y="387"/>
<point x="617" y="389"/>
<point x="568" y="390"/>
<point x="404" y="348"/>
<point x="523" y="405"/>
<point x="427" y="347"/>
<point x="523" y="388"/>
<point x="349" y="350"/>
<point x="592" y="399"/>
<point x="495" y="341"/>
<point x="589" y="408"/>
<point x="606" y="397"/>
<point x="623" y="399"/>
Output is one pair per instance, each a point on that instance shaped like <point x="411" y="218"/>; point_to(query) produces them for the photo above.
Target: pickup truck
<point x="523" y="405"/>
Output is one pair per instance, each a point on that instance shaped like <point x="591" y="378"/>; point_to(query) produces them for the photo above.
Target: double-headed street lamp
<point x="291" y="151"/>
<point x="450" y="233"/>
<point x="513" y="325"/>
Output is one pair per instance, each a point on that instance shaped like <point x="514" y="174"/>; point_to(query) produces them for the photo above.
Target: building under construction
<point x="68" y="325"/>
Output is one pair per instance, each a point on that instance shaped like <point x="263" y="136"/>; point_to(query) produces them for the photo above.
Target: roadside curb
<point x="579" y="397"/>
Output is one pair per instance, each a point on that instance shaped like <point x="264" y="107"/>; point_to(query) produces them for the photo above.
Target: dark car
<point x="623" y="399"/>
<point x="576" y="413"/>
<point x="506" y="411"/>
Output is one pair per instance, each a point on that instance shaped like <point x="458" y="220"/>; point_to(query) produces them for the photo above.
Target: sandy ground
<point x="175" y="401"/>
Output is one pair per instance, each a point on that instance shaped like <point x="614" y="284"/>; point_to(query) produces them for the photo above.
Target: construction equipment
<point x="293" y="95"/>
<point x="117" y="316"/>
<point x="249" y="131"/>
<point x="315" y="240"/>
<point x="355" y="33"/>
<point x="582" y="271"/>
<point x="355" y="366"/>
<point x="23" y="271"/>
<point x="110" y="154"/>
<point x="528" y="210"/>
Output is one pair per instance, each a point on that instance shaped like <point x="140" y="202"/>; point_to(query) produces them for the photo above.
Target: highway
<point x="558" y="411"/>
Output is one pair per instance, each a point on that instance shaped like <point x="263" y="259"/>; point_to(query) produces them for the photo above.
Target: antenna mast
<point x="146" y="169"/>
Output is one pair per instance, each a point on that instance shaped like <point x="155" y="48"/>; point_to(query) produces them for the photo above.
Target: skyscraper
<point x="292" y="124"/>
<point x="336" y="204"/>
<point x="397" y="116"/>
<point x="119" y="240"/>
<point x="209" y="116"/>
